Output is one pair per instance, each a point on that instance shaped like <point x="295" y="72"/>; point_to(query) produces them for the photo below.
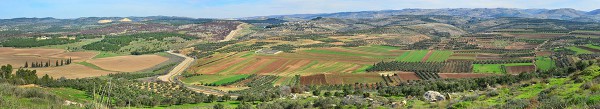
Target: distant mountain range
<point x="562" y="14"/>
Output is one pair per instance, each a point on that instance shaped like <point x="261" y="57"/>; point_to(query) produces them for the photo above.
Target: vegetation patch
<point x="495" y="68"/>
<point x="579" y="50"/>
<point x="544" y="63"/>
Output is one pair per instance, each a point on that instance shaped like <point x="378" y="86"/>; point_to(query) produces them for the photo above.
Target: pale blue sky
<point x="247" y="8"/>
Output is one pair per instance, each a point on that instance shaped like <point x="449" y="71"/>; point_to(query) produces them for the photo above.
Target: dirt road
<point x="178" y="69"/>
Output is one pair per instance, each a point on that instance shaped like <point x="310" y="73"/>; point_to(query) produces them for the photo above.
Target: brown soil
<point x="520" y="69"/>
<point x="543" y="53"/>
<point x="273" y="66"/>
<point x="427" y="56"/>
<point x="71" y="71"/>
<point x="406" y="76"/>
<point x="128" y="63"/>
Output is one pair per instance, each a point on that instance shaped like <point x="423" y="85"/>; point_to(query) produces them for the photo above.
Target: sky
<point x="249" y="8"/>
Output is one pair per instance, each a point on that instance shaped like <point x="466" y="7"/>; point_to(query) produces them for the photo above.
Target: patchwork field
<point x="129" y="63"/>
<point x="302" y="62"/>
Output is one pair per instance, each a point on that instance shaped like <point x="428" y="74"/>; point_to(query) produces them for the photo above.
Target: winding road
<point x="178" y="69"/>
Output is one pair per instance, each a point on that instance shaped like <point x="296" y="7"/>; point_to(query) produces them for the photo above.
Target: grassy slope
<point x="563" y="88"/>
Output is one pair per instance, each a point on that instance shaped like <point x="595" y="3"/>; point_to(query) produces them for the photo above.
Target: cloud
<point x="245" y="8"/>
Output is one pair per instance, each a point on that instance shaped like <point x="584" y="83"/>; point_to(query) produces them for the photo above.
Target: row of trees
<point x="48" y="64"/>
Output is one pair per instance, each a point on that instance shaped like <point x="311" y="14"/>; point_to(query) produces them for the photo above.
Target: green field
<point x="593" y="46"/>
<point x="90" y="65"/>
<point x="439" y="56"/>
<point x="412" y="56"/>
<point x="544" y="63"/>
<point x="105" y="54"/>
<point x="230" y="79"/>
<point x="494" y="68"/>
<point x="212" y="79"/>
<point x="579" y="50"/>
<point x="71" y="94"/>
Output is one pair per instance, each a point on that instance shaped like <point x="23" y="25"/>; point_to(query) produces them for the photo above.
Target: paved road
<point x="178" y="69"/>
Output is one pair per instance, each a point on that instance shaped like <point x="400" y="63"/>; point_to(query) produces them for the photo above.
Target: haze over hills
<point x="562" y="14"/>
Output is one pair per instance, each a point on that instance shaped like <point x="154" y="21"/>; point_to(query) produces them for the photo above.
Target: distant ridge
<point x="561" y="14"/>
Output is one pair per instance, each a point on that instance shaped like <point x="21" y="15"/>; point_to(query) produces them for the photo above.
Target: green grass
<point x="211" y="79"/>
<point x="91" y="66"/>
<point x="402" y="56"/>
<point x="362" y="69"/>
<point x="593" y="46"/>
<point x="494" y="68"/>
<point x="413" y="56"/>
<point x="105" y="54"/>
<point x="71" y="94"/>
<point x="579" y="50"/>
<point x="230" y="79"/>
<point x="544" y="63"/>
<point x="439" y="56"/>
<point x="530" y="91"/>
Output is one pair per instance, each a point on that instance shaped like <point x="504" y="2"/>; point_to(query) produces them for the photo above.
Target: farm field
<point x="129" y="63"/>
<point x="332" y="79"/>
<point x="439" y="56"/>
<point x="494" y="68"/>
<point x="544" y="63"/>
<point x="413" y="56"/>
<point x="212" y="79"/>
<point x="304" y="62"/>
<point x="462" y="56"/>
<point x="18" y="57"/>
<point x="71" y="71"/>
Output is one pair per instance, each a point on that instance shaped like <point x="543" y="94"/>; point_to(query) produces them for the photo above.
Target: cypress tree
<point x="26" y="65"/>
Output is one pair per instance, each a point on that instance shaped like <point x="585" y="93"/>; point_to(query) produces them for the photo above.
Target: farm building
<point x="267" y="51"/>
